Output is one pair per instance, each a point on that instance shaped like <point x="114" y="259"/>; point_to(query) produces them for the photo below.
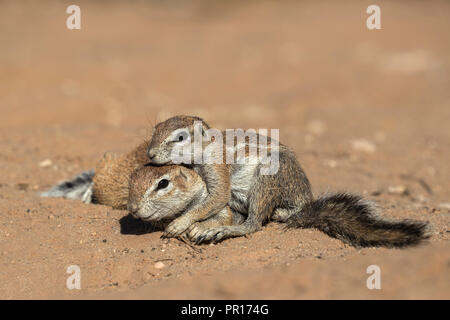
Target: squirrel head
<point x="160" y="193"/>
<point x="175" y="132"/>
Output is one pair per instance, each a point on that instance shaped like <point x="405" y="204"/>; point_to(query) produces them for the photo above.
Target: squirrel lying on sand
<point x="161" y="194"/>
<point x="227" y="194"/>
<point x="284" y="196"/>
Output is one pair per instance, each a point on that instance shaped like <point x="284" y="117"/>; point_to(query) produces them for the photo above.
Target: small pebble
<point x="159" y="265"/>
<point x="402" y="190"/>
<point x="364" y="145"/>
<point x="332" y="163"/>
<point x="376" y="193"/>
<point x="420" y="198"/>
<point x="45" y="163"/>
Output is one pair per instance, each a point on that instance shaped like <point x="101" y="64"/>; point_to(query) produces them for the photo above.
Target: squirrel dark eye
<point x="162" y="184"/>
<point x="181" y="137"/>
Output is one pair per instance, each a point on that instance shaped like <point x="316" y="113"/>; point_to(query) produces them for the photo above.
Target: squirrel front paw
<point x="177" y="227"/>
<point x="213" y="235"/>
<point x="196" y="231"/>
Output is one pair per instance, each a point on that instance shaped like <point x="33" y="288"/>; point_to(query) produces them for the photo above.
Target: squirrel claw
<point x="200" y="240"/>
<point x="214" y="235"/>
<point x="176" y="228"/>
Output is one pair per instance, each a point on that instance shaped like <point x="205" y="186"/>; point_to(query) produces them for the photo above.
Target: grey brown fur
<point x="183" y="190"/>
<point x="285" y="196"/>
<point x="356" y="221"/>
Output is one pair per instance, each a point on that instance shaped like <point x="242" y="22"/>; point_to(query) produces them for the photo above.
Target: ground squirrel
<point x="284" y="196"/>
<point x="160" y="194"/>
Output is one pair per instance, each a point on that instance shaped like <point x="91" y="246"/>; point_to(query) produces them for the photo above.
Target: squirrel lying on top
<point x="284" y="196"/>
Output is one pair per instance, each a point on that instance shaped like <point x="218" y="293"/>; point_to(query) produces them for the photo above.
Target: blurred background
<point x="365" y="110"/>
<point x="310" y="68"/>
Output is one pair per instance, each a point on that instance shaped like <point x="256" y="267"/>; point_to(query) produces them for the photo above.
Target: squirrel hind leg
<point x="267" y="193"/>
<point x="263" y="197"/>
<point x="221" y="233"/>
<point x="261" y="206"/>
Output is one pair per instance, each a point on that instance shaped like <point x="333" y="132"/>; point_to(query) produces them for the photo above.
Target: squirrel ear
<point x="182" y="173"/>
<point x="109" y="155"/>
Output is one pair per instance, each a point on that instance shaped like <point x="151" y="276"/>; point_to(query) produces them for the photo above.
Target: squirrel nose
<point x="151" y="154"/>
<point x="133" y="209"/>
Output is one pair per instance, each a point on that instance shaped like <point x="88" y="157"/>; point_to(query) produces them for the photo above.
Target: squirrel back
<point x="107" y="184"/>
<point x="112" y="174"/>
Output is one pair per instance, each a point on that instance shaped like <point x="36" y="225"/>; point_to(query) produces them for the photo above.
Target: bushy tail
<point x="355" y="221"/>
<point x="79" y="188"/>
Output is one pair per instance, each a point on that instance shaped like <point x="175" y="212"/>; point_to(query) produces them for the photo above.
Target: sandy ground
<point x="366" y="111"/>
